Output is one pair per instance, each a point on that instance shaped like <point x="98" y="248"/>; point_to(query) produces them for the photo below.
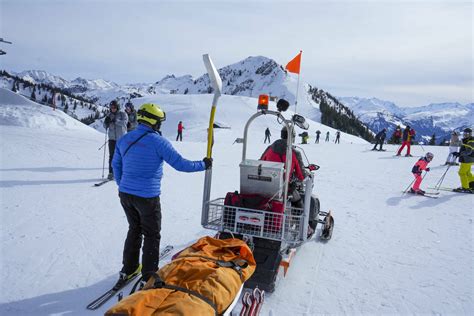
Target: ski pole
<point x="422" y="147"/>
<point x="102" y="145"/>
<point x="411" y="183"/>
<point x="440" y="181"/>
<point x="409" y="186"/>
<point x="105" y="146"/>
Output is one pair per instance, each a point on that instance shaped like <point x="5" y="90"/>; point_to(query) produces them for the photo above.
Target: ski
<point x="246" y="303"/>
<point x="252" y="302"/>
<point x="452" y="190"/>
<point x="102" y="182"/>
<point x="95" y="304"/>
<point x="427" y="194"/>
<point x="258" y="298"/>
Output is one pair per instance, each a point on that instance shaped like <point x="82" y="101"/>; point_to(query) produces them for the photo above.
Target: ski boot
<point x="408" y="155"/>
<point x="419" y="192"/>
<point x="463" y="190"/>
<point x="110" y="176"/>
<point x="126" y="278"/>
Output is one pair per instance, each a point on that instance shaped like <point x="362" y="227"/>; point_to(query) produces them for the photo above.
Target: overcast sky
<point x="409" y="52"/>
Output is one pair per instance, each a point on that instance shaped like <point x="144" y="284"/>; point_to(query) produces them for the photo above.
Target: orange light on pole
<point x="262" y="102"/>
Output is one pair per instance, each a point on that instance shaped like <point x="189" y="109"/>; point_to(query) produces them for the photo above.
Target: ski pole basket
<point x="273" y="225"/>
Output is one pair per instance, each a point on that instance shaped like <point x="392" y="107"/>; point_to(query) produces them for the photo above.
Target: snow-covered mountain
<point x="438" y="118"/>
<point x="62" y="238"/>
<point x="250" y="77"/>
<point x="256" y="75"/>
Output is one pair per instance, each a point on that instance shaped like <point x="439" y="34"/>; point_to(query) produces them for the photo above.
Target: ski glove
<point x="207" y="162"/>
<point x="427" y="169"/>
<point x="456" y="154"/>
<point x="107" y="120"/>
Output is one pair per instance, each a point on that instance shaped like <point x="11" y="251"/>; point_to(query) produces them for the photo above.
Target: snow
<point x="62" y="238"/>
<point x="16" y="110"/>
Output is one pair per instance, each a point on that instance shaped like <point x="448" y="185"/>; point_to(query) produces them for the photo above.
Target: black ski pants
<point x="267" y="137"/>
<point x="179" y="136"/>
<point x="111" y="153"/>
<point x="380" y="141"/>
<point x="144" y="218"/>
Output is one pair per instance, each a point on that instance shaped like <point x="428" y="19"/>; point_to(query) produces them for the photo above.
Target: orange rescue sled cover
<point x="213" y="268"/>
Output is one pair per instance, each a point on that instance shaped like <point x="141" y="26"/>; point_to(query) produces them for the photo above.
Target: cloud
<point x="348" y="46"/>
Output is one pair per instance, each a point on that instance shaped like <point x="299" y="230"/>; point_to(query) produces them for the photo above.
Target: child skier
<point x="417" y="169"/>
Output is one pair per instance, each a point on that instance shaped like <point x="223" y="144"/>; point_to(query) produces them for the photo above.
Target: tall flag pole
<point x="294" y="66"/>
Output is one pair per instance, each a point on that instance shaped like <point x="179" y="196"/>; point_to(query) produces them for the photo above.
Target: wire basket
<point x="286" y="226"/>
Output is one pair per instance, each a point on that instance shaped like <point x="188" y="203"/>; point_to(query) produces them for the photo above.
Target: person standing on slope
<point x="116" y="124"/>
<point x="132" y="116"/>
<point x="379" y="139"/>
<point x="407" y="135"/>
<point x="466" y="158"/>
<point x="417" y="169"/>
<point x="318" y="132"/>
<point x="454" y="144"/>
<point x="338" y="137"/>
<point x="327" y="136"/>
<point x="397" y="135"/>
<point x="138" y="169"/>
<point x="180" y="131"/>
<point x="267" y="136"/>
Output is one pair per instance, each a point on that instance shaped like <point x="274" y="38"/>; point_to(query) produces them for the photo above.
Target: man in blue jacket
<point x="138" y="169"/>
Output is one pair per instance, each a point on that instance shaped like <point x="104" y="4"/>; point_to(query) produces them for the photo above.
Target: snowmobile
<point x="264" y="212"/>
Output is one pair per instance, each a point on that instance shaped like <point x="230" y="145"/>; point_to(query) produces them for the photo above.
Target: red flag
<point x="294" y="65"/>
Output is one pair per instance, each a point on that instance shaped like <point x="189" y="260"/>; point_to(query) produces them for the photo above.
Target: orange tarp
<point x="196" y="269"/>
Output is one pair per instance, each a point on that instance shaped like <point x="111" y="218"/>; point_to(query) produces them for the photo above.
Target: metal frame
<point x="290" y="126"/>
<point x="294" y="228"/>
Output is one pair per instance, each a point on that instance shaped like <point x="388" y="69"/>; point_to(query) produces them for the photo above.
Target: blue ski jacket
<point x="138" y="168"/>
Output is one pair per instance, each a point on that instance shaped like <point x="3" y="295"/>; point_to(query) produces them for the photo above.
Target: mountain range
<point x="436" y="118"/>
<point x="256" y="75"/>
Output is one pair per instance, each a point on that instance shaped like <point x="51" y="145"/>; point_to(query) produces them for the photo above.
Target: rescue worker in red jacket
<point x="277" y="152"/>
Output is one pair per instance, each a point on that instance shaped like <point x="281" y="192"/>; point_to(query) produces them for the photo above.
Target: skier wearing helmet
<point x="132" y="116"/>
<point x="466" y="158"/>
<point x="138" y="169"/>
<point x="417" y="169"/>
<point x="116" y="124"/>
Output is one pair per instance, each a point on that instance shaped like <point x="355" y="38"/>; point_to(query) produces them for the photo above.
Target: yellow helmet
<point x="151" y="114"/>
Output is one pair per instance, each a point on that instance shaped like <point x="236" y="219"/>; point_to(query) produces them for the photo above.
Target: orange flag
<point x="294" y="65"/>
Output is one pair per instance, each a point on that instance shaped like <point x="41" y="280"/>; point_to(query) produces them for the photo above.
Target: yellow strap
<point x="210" y="133"/>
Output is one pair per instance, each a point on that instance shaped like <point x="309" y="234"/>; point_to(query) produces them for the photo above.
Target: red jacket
<point x="277" y="152"/>
<point x="420" y="166"/>
<point x="180" y="127"/>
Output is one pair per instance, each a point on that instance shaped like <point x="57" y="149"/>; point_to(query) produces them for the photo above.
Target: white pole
<point x="297" y="88"/>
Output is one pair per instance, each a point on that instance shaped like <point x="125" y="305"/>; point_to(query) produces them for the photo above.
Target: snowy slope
<point x="62" y="238"/>
<point x="16" y="110"/>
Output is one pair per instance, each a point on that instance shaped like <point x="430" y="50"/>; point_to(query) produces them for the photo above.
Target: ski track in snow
<point x="390" y="253"/>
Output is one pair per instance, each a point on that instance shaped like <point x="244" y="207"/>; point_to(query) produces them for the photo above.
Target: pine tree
<point x="432" y="140"/>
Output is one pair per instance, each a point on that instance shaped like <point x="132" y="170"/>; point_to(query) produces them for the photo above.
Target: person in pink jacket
<point x="421" y="164"/>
